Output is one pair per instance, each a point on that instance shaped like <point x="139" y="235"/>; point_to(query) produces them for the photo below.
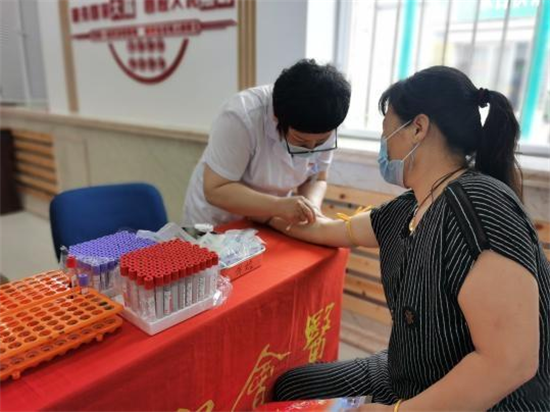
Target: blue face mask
<point x="392" y="170"/>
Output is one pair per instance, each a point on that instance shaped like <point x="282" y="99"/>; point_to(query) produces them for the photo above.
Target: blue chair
<point x="83" y="214"/>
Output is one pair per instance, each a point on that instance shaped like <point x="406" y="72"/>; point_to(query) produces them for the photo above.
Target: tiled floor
<point x="26" y="249"/>
<point x="26" y="246"/>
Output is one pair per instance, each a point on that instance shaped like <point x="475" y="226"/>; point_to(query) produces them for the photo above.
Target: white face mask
<point x="304" y="152"/>
<point x="393" y="171"/>
<point x="298" y="151"/>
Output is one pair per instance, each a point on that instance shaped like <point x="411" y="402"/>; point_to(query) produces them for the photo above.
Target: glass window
<point x="501" y="44"/>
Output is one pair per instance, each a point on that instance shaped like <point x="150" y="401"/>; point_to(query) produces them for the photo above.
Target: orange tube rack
<point x="33" y="291"/>
<point x="42" y="317"/>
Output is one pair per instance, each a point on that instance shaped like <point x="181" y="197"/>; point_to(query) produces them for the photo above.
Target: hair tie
<point x="483" y="97"/>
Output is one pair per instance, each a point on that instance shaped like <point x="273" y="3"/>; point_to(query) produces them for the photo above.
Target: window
<point x="21" y="65"/>
<point x="500" y="44"/>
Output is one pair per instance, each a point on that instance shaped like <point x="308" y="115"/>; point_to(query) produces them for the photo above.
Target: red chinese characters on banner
<point x="154" y="6"/>
<point x="127" y="9"/>
<point x="111" y="10"/>
<point x="123" y="9"/>
<point x="144" y="55"/>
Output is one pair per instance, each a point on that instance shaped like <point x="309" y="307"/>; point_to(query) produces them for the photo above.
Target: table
<point x="284" y="314"/>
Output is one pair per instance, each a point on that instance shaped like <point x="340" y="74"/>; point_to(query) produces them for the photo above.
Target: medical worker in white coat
<point x="267" y="143"/>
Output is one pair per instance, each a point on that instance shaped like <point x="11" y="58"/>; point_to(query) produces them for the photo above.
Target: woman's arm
<point x="331" y="232"/>
<point x="500" y="302"/>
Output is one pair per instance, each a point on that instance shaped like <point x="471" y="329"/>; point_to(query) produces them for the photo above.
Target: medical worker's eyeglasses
<point x="315" y="150"/>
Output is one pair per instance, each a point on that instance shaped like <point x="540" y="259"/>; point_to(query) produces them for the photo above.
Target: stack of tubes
<point x="98" y="259"/>
<point x="162" y="279"/>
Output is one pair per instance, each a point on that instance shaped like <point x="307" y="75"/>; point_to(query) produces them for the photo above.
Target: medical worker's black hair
<point x="310" y="98"/>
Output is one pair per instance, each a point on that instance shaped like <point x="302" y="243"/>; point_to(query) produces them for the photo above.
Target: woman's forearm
<point x="324" y="231"/>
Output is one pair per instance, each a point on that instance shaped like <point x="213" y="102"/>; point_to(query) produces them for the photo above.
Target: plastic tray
<point x="28" y="328"/>
<point x="33" y="291"/>
<point x="152" y="328"/>
<point x="13" y="366"/>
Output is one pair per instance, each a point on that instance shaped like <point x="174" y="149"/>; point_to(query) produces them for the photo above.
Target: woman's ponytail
<point x="495" y="154"/>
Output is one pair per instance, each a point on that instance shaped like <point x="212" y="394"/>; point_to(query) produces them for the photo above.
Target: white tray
<point x="152" y="328"/>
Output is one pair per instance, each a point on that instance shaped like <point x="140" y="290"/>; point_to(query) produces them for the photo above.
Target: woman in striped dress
<point x="463" y="271"/>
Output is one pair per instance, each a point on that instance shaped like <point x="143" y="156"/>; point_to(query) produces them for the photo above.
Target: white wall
<point x="290" y="30"/>
<point x="280" y="36"/>
<point x="52" y="50"/>
<point x="321" y="30"/>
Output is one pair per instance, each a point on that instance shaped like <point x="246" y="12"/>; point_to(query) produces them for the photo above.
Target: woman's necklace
<point x="438" y="182"/>
<point x="412" y="224"/>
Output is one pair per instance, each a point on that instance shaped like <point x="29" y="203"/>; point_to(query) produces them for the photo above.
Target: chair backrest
<point x="83" y="214"/>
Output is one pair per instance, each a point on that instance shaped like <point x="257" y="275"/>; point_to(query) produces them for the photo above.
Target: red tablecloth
<point x="284" y="314"/>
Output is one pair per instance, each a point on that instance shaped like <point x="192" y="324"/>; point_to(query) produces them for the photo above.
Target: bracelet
<point x="397" y="405"/>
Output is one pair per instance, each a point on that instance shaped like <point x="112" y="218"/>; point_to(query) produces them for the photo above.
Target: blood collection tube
<point x="71" y="271"/>
<point x="181" y="288"/>
<point x="95" y="272"/>
<point x="103" y="269"/>
<point x="148" y="299"/>
<point x="83" y="281"/>
<point x="189" y="285"/>
<point x="159" y="296"/>
<point x="139" y="295"/>
<point x="124" y="285"/>
<point x="167" y="294"/>
<point x="175" y="291"/>
<point x="132" y="290"/>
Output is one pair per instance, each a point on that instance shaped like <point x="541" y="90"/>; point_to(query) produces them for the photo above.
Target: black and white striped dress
<point x="422" y="275"/>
